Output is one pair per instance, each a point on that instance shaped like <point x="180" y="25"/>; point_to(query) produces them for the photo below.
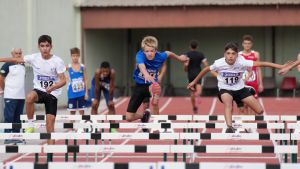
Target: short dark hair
<point x="75" y="50"/>
<point x="232" y="45"/>
<point x="45" y="38"/>
<point x="194" y="44"/>
<point x="248" y="38"/>
<point x="105" y="64"/>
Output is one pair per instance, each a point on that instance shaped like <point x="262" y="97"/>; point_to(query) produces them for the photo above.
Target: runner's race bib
<point x="77" y="85"/>
<point x="45" y="81"/>
<point x="230" y="78"/>
<point x="252" y="78"/>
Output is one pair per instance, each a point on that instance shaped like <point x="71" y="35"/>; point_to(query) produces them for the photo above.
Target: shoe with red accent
<point x="155" y="91"/>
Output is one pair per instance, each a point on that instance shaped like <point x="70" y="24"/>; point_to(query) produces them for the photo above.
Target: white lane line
<point x="269" y="130"/>
<point x="211" y="111"/>
<point x="127" y="140"/>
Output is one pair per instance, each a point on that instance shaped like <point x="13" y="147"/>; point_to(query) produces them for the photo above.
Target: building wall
<point x="23" y="21"/>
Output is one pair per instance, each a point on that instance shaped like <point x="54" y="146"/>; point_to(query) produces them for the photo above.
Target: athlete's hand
<point x="111" y="103"/>
<point x="260" y="88"/>
<point x="18" y="60"/>
<point x="191" y="86"/>
<point x="86" y="96"/>
<point x="284" y="70"/>
<point x="184" y="59"/>
<point x="149" y="78"/>
<point x="50" y="89"/>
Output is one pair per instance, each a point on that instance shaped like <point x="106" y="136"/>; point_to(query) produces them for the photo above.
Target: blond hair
<point x="149" y="41"/>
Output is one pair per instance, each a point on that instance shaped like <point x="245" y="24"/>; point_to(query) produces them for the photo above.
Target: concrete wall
<point x="23" y="21"/>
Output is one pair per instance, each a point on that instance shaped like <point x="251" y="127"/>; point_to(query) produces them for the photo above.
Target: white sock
<point x="30" y="123"/>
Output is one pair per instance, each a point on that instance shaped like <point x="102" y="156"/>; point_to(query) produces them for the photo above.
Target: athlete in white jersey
<point x="231" y="86"/>
<point x="48" y="70"/>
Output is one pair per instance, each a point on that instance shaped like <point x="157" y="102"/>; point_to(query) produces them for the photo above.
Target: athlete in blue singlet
<point x="77" y="89"/>
<point x="104" y="80"/>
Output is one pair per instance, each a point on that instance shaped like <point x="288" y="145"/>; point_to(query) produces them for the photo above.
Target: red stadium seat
<point x="288" y="83"/>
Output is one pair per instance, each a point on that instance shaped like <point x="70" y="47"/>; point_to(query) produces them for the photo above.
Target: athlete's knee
<point x="50" y="123"/>
<point x="95" y="105"/>
<point x="129" y="117"/>
<point x="146" y="105"/>
<point x="30" y="98"/>
<point x="260" y="111"/>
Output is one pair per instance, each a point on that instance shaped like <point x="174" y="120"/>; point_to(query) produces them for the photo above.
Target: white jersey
<point x="230" y="76"/>
<point x="14" y="82"/>
<point x="45" y="71"/>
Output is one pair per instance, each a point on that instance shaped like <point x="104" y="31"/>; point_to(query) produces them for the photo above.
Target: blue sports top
<point x="152" y="66"/>
<point x="76" y="86"/>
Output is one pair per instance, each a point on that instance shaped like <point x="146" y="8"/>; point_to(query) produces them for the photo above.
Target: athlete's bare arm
<point x="59" y="84"/>
<point x="112" y="84"/>
<point x="12" y="60"/>
<point x="97" y="83"/>
<point x="259" y="74"/>
<point x="162" y="72"/>
<point x="85" y="79"/>
<point x="146" y="75"/>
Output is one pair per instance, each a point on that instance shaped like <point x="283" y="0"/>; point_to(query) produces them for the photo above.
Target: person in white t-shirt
<point x="49" y="77"/>
<point x="231" y="86"/>
<point x="12" y="78"/>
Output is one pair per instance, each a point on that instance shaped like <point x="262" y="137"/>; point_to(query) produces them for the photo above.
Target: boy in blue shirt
<point x="148" y="63"/>
<point x="77" y="88"/>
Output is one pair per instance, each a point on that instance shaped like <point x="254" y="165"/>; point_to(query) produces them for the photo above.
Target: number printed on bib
<point x="46" y="81"/>
<point x="231" y="78"/>
<point x="77" y="85"/>
<point x="252" y="78"/>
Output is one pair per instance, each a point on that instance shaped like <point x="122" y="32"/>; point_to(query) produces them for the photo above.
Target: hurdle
<point x="145" y="125"/>
<point x="151" y="136"/>
<point x="51" y="149"/>
<point x="167" y="117"/>
<point x="152" y="165"/>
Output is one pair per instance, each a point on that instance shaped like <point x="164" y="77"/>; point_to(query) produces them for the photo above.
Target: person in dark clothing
<point x="193" y="67"/>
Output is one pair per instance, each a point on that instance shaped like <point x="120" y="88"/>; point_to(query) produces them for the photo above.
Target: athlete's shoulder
<point x="240" y="59"/>
<point x="112" y="71"/>
<point x="220" y="61"/>
<point x="140" y="53"/>
<point x="162" y="55"/>
<point x="34" y="55"/>
<point x="57" y="59"/>
<point x="256" y="53"/>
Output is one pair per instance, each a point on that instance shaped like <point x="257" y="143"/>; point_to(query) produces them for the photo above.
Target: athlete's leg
<point x="155" y="91"/>
<point x="51" y="110"/>
<point x="50" y="121"/>
<point x="139" y="94"/>
<point x="146" y="103"/>
<point x="227" y="101"/>
<point x="31" y="98"/>
<point x="81" y="105"/>
<point x="253" y="104"/>
<point x="95" y="104"/>
<point x="193" y="98"/>
<point x="72" y="105"/>
<point x="198" y="93"/>
<point x="110" y="104"/>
